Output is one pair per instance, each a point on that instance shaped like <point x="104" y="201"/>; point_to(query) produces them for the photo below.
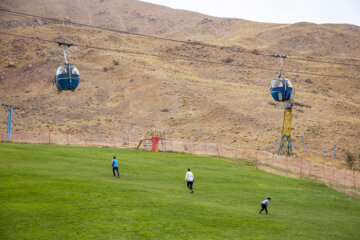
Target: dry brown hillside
<point x="146" y="18"/>
<point x="227" y="102"/>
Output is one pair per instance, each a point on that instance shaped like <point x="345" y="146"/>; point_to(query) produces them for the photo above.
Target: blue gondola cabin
<point x="67" y="77"/>
<point x="281" y="90"/>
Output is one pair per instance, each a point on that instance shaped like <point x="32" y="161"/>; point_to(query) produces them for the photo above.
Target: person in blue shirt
<point x="264" y="205"/>
<point x="115" y="166"/>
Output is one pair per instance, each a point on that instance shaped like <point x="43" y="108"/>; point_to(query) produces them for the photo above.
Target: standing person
<point x="189" y="178"/>
<point x="115" y="166"/>
<point x="264" y="205"/>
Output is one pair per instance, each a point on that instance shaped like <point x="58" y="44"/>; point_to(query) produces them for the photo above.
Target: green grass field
<point x="61" y="192"/>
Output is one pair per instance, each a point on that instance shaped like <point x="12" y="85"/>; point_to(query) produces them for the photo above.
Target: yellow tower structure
<point x="286" y="145"/>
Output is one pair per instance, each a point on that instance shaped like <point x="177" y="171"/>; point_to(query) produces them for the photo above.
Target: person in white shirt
<point x="264" y="205"/>
<point x="189" y="178"/>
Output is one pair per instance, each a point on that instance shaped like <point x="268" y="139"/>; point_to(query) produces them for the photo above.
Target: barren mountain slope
<point x="218" y="102"/>
<point x="145" y="18"/>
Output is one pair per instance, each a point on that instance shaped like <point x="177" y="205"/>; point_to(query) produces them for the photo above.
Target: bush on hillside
<point x="350" y="160"/>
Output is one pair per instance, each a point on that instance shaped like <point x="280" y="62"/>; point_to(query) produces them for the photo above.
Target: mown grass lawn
<point x="61" y="192"/>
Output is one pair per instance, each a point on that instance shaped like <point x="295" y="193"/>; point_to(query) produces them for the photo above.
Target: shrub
<point x="228" y="60"/>
<point x="350" y="160"/>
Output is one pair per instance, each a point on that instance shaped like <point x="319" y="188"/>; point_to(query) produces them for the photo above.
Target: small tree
<point x="350" y="160"/>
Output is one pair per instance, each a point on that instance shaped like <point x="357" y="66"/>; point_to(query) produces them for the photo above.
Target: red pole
<point x="49" y="137"/>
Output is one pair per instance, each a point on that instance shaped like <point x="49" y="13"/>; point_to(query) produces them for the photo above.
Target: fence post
<point x="256" y="159"/>
<point x="355" y="195"/>
<point x="164" y="140"/>
<point x="322" y="157"/>
<point x="205" y="148"/>
<point x="171" y="148"/>
<point x="345" y="181"/>
<point x="333" y="173"/>
<point x="301" y="160"/>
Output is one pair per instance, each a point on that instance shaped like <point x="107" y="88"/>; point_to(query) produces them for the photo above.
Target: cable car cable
<point x="169" y="39"/>
<point x="179" y="58"/>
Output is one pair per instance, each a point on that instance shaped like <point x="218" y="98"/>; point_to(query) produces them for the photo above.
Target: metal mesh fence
<point x="345" y="181"/>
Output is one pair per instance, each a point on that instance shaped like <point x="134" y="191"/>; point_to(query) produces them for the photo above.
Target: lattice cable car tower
<point x="282" y="90"/>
